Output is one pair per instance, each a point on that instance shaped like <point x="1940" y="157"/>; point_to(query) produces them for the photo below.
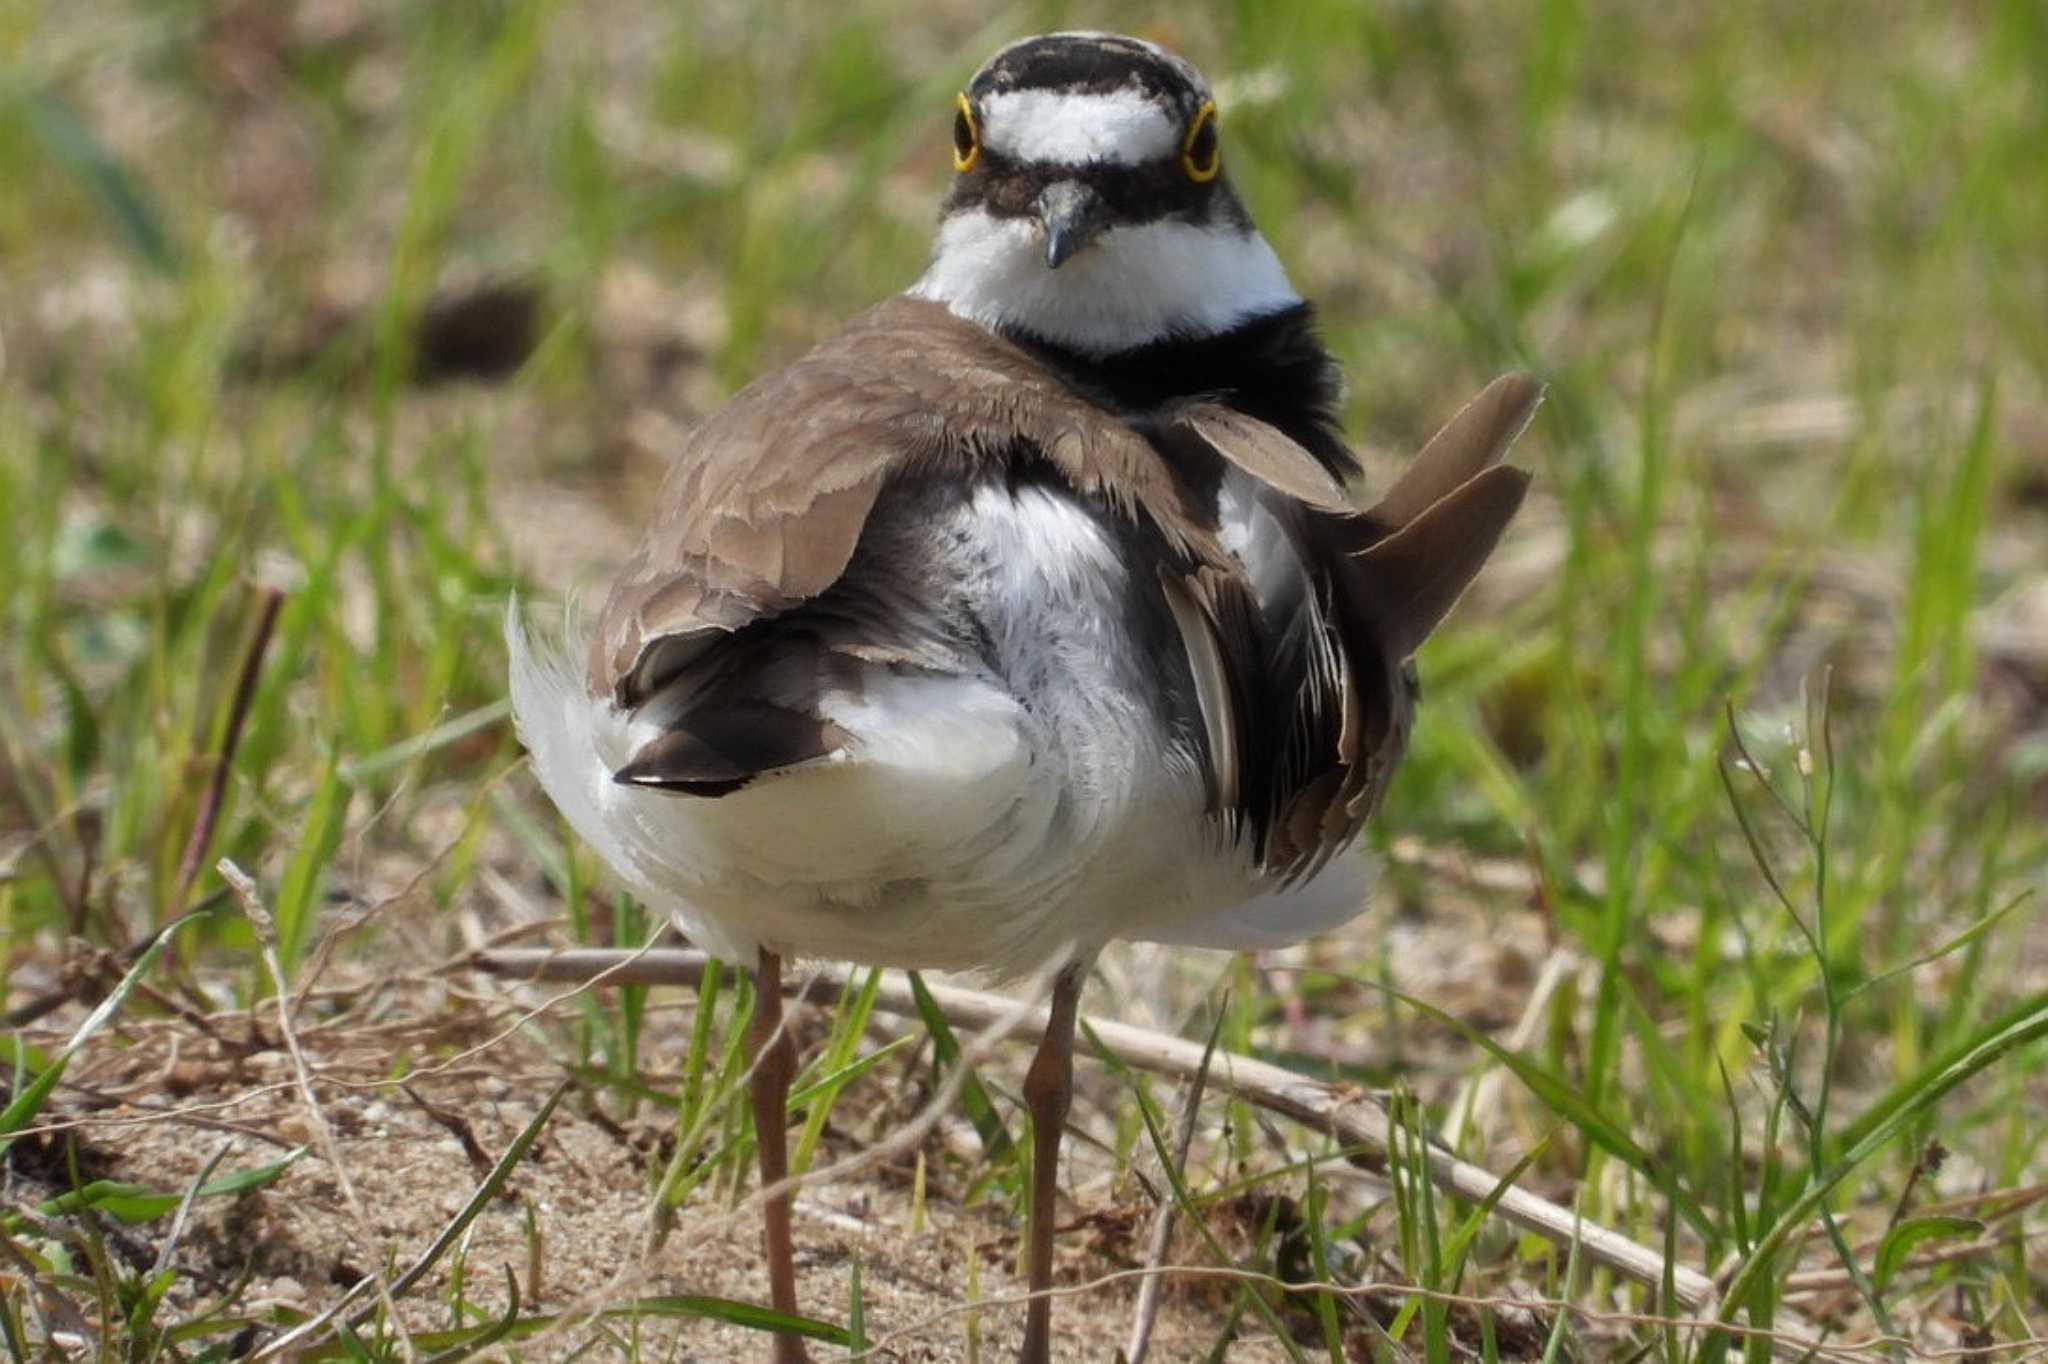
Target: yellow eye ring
<point x="1200" y="155"/>
<point x="966" y="135"/>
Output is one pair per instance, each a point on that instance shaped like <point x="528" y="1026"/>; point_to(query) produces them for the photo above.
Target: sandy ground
<point x="152" y="1102"/>
<point x="399" y="1175"/>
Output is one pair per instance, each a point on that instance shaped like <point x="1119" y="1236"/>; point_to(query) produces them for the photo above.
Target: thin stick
<point x="1149" y="1288"/>
<point x="266" y="933"/>
<point x="1350" y="1116"/>
<point x="224" y="760"/>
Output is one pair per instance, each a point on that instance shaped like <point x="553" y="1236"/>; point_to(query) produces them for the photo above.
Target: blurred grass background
<point x="397" y="307"/>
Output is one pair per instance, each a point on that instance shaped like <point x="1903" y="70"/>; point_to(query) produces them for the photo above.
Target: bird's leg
<point x="1048" y="1091"/>
<point x="774" y="1061"/>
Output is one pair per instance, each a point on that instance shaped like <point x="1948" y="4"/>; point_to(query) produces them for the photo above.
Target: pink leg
<point x="1048" y="1091"/>
<point x="774" y="1058"/>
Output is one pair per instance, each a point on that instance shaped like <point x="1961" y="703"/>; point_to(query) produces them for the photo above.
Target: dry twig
<point x="224" y="761"/>
<point x="1349" y="1116"/>
<point x="266" y="932"/>
<point x="1149" y="1290"/>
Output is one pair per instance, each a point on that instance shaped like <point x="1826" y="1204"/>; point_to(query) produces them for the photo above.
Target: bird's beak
<point x="1072" y="215"/>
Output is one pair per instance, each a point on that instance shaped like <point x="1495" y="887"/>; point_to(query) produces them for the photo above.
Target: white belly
<point x="965" y="825"/>
<point x="946" y="841"/>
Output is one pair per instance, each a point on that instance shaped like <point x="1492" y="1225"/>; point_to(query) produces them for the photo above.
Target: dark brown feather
<point x="766" y="500"/>
<point x="717" y="750"/>
<point x="1394" y="572"/>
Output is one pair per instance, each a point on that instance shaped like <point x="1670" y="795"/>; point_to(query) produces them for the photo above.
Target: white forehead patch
<point x="1053" y="127"/>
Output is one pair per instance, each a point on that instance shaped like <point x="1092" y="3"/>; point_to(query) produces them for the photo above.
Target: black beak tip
<point x="1072" y="216"/>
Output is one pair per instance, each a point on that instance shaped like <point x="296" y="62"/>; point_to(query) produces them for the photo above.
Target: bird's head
<point x="1089" y="207"/>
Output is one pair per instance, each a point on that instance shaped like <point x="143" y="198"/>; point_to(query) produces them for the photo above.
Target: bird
<point x="1031" y="611"/>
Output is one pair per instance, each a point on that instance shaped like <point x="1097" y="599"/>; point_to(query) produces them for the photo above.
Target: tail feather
<point x="1412" y="554"/>
<point x="1414" y="576"/>
<point x="1469" y="444"/>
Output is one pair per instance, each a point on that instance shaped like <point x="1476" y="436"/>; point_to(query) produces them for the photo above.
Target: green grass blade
<point x="2023" y="1023"/>
<point x="28" y="1100"/>
<point x="1460" y="1244"/>
<point x="1909" y="1235"/>
<point x="856" y="1315"/>
<point x="699" y="1052"/>
<point x="1436" y="1336"/>
<point x="124" y="197"/>
<point x="1564" y="1100"/>
<point x="1970" y="935"/>
<point x="1560" y="1326"/>
<point x="1316" y="1216"/>
<point x="849" y="1023"/>
<point x="1738" y="1203"/>
<point x="136" y="1203"/>
<point x="298" y="893"/>
<point x="996" y="1142"/>
<point x="734" y="1313"/>
<point x="479" y="1199"/>
<point x="1869" y="1134"/>
<point x="489" y="1335"/>
<point x="420" y="745"/>
<point x="848" y="1073"/>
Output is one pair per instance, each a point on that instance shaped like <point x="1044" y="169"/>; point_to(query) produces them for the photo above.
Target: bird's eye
<point x="1200" y="156"/>
<point x="966" y="136"/>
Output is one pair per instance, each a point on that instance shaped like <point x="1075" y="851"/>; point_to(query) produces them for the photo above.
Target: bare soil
<point x="389" y="1165"/>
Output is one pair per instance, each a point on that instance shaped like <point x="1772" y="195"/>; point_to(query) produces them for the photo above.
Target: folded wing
<point x="1297" y="640"/>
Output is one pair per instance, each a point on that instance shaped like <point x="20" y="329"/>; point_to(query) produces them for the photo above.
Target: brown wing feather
<point x="767" y="499"/>
<point x="1392" y="573"/>
<point x="1264" y="452"/>
<point x="1325" y="701"/>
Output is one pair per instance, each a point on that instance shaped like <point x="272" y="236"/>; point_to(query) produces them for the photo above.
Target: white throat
<point x="1128" y="287"/>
